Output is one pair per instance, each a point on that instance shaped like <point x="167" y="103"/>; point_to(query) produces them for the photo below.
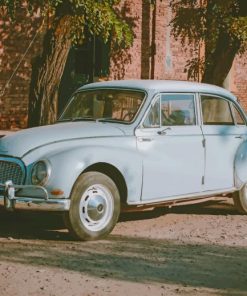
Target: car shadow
<point x="32" y="225"/>
<point x="50" y="226"/>
<point x="220" y="206"/>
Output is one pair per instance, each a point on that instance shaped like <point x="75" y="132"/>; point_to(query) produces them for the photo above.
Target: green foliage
<point x="205" y="21"/>
<point x="96" y="17"/>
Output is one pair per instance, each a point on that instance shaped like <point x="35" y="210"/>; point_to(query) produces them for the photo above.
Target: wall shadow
<point x="140" y="260"/>
<point x="120" y="56"/>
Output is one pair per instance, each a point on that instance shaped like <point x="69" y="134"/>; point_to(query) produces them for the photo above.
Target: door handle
<point x="163" y="132"/>
<point x="238" y="137"/>
<point x="144" y="139"/>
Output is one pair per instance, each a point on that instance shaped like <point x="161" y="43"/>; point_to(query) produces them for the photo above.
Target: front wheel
<point x="94" y="208"/>
<point x="240" y="200"/>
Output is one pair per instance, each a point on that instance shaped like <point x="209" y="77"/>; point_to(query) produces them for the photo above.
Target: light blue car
<point x="128" y="145"/>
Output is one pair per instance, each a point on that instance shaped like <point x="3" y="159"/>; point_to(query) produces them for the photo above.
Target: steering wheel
<point x="128" y="116"/>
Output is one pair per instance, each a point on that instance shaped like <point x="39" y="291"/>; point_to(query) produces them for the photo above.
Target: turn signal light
<point x="57" y="192"/>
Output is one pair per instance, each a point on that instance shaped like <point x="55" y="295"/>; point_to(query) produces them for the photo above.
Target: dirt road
<point x="189" y="250"/>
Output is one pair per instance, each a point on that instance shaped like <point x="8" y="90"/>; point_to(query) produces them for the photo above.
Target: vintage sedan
<point x="128" y="145"/>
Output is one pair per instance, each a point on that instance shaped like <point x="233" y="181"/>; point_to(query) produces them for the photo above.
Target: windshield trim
<point x="107" y="88"/>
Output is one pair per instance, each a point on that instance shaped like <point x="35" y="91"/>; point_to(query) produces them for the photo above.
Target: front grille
<point x="10" y="170"/>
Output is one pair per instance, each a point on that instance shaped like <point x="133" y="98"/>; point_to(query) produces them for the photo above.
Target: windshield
<point x="104" y="105"/>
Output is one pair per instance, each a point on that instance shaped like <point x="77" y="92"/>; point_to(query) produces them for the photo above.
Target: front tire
<point x="240" y="200"/>
<point x="94" y="208"/>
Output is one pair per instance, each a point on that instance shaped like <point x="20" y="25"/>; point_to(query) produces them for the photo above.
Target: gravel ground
<point x="189" y="250"/>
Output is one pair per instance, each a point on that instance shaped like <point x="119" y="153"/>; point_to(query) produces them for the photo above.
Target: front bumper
<point x="11" y="202"/>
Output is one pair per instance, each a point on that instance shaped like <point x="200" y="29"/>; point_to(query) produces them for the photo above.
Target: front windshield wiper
<point x="107" y="119"/>
<point x="85" y="118"/>
<point x="89" y="118"/>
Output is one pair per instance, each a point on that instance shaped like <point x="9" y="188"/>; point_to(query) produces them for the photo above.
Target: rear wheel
<point x="240" y="200"/>
<point x="95" y="207"/>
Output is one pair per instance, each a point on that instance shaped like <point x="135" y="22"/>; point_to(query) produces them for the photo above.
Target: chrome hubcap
<point x="96" y="207"/>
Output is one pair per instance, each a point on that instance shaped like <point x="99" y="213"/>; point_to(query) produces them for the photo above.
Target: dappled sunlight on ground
<point x="189" y="250"/>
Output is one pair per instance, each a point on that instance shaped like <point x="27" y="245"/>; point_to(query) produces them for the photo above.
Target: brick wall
<point x="239" y="79"/>
<point x="169" y="57"/>
<point x="166" y="60"/>
<point x="14" y="40"/>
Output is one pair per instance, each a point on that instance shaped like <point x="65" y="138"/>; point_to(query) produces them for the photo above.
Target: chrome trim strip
<point x="38" y="204"/>
<point x="179" y="198"/>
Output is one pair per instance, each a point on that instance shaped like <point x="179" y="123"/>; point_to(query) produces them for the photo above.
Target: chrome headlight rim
<point x="48" y="172"/>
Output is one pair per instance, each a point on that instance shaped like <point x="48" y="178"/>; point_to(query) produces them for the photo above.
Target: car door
<point x="224" y="130"/>
<point x="171" y="144"/>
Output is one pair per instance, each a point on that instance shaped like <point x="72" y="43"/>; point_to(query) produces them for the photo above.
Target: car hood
<point x="19" y="143"/>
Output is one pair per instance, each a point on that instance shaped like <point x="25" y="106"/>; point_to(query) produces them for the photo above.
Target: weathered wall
<point x="238" y="79"/>
<point x="14" y="40"/>
<point x="168" y="59"/>
<point x="155" y="54"/>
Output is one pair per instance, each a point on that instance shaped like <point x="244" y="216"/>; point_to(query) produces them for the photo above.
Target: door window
<point x="177" y="109"/>
<point x="238" y="116"/>
<point x="216" y="111"/>
<point x="152" y="119"/>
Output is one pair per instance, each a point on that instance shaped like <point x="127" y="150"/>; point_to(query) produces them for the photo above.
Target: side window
<point x="238" y="116"/>
<point x="177" y="109"/>
<point x="152" y="119"/>
<point x="216" y="111"/>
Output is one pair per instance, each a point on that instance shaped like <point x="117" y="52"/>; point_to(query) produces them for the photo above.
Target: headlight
<point x="40" y="172"/>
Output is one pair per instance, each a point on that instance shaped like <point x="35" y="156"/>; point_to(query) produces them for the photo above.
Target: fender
<point x="69" y="159"/>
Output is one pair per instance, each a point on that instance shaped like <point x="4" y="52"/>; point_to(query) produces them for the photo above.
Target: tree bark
<point x="47" y="71"/>
<point x="219" y="62"/>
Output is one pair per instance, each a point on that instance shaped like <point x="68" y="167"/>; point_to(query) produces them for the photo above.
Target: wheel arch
<point x="113" y="173"/>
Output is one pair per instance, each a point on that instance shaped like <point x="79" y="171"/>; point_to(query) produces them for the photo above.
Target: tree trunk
<point x="218" y="62"/>
<point x="47" y="71"/>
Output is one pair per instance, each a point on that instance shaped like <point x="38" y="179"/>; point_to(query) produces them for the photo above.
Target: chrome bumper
<point x="11" y="202"/>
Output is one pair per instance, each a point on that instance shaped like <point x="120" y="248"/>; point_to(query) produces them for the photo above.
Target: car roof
<point x="162" y="86"/>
